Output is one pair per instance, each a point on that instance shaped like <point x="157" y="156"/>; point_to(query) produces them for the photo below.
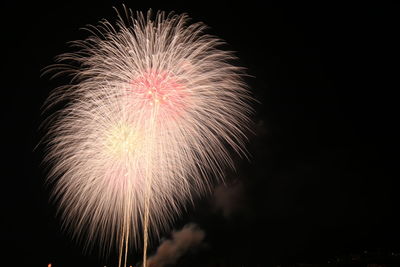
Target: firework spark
<point x="153" y="110"/>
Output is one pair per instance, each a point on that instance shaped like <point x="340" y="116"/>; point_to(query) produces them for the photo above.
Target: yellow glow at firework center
<point x="122" y="140"/>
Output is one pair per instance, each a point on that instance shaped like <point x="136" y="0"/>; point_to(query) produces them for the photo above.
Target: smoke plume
<point x="229" y="199"/>
<point x="172" y="249"/>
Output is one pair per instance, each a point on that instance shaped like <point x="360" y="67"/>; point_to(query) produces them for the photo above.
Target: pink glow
<point x="162" y="88"/>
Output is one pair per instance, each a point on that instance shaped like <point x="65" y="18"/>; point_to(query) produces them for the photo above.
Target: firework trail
<point x="150" y="116"/>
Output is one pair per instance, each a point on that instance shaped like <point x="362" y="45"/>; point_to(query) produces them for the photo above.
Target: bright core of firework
<point x="122" y="140"/>
<point x="154" y="111"/>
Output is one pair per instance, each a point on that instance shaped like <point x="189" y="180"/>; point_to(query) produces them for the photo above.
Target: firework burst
<point x="153" y="110"/>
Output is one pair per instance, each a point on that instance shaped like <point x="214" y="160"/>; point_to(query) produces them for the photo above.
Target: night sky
<point x="321" y="179"/>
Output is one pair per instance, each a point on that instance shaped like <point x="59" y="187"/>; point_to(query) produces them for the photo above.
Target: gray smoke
<point x="229" y="199"/>
<point x="172" y="249"/>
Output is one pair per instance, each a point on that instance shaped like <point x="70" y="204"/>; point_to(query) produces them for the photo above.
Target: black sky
<point x="322" y="179"/>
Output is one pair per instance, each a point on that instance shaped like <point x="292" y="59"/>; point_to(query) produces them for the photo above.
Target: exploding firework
<point x="150" y="117"/>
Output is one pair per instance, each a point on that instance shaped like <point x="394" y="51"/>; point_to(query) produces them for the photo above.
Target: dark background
<point x="322" y="180"/>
